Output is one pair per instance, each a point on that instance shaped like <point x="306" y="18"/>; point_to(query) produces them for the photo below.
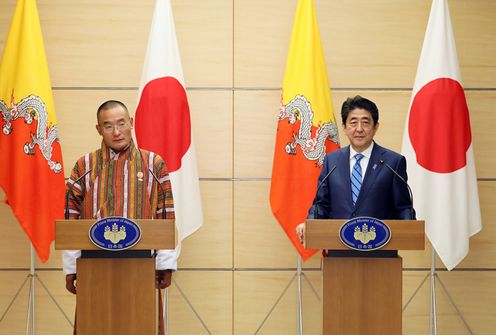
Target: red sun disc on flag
<point x="163" y="122"/>
<point x="439" y="126"/>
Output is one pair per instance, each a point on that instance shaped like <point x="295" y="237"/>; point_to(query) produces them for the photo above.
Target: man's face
<point x="115" y="126"/>
<point x="360" y="129"/>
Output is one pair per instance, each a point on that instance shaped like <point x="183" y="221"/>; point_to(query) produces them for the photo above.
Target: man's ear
<point x="99" y="129"/>
<point x="131" y="121"/>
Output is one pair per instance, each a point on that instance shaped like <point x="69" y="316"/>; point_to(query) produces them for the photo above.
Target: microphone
<point x="412" y="211"/>
<point x="161" y="188"/>
<point x="158" y="182"/>
<point x="163" y="207"/>
<point x="67" y="194"/>
<point x="316" y="212"/>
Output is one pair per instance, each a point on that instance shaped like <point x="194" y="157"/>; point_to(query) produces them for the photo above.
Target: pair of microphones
<point x="87" y="172"/>
<point x="381" y="162"/>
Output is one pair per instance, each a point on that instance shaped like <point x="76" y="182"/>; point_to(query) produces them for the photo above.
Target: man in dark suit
<point x="358" y="180"/>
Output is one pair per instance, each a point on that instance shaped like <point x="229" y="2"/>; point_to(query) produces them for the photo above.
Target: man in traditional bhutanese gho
<point x="120" y="182"/>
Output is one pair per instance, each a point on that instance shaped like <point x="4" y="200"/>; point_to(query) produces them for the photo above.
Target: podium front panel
<point x="116" y="296"/>
<point x="362" y="296"/>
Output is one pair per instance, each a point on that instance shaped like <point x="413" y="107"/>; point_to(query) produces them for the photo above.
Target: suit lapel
<point x="373" y="169"/>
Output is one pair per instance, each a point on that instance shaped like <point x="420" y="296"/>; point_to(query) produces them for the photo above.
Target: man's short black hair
<point x="361" y="103"/>
<point x="109" y="104"/>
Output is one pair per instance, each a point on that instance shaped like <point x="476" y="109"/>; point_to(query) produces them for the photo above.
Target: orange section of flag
<point x="306" y="130"/>
<point x="32" y="173"/>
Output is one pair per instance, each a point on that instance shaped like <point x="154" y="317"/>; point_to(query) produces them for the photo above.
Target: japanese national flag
<point x="163" y="123"/>
<point x="437" y="143"/>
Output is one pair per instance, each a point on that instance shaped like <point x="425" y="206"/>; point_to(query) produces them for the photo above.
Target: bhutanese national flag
<point x="306" y="128"/>
<point x="31" y="173"/>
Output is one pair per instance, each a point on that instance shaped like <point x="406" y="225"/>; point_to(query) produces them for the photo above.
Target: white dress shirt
<point x="364" y="162"/>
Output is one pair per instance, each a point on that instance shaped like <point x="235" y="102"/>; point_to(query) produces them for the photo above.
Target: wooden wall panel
<point x="417" y="258"/>
<point x="6" y="13"/>
<point x="212" y="245"/>
<point x="210" y="294"/>
<point x="378" y="49"/>
<point x="259" y="241"/>
<point x="255" y="125"/>
<point x="474" y="28"/>
<point x="14" y="244"/>
<point x="212" y="300"/>
<point x="249" y="300"/>
<point x="95" y="44"/>
<point x="482" y="252"/>
<point x="482" y="117"/>
<point x="256" y="293"/>
<point x="211" y="118"/>
<point x="469" y="291"/>
<point x="15" y="321"/>
<point x="50" y="319"/>
<point x="54" y="262"/>
<point x="262" y="40"/>
<point x="205" y="36"/>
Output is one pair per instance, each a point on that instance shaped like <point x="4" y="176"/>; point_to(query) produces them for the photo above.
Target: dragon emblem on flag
<point x="313" y="147"/>
<point x="30" y="108"/>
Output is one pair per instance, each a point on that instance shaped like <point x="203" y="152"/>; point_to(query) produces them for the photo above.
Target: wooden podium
<point x="362" y="294"/>
<point x="116" y="295"/>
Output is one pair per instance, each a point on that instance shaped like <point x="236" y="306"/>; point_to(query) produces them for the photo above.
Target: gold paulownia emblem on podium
<point x="365" y="234"/>
<point x="115" y="234"/>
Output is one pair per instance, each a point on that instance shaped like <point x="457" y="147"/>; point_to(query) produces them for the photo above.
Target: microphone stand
<point x="315" y="202"/>
<point x="412" y="211"/>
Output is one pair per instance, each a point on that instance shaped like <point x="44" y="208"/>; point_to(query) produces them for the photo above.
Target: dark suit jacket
<point x="382" y="195"/>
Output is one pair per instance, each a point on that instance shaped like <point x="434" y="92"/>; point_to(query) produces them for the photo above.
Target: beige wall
<point x="233" y="52"/>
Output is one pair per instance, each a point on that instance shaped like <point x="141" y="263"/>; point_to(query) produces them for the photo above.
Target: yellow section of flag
<point x="24" y="68"/>
<point x="306" y="72"/>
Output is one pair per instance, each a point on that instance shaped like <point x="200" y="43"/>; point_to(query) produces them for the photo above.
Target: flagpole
<point x="299" y="307"/>
<point x="166" y="310"/>
<point x="31" y="310"/>
<point x="432" y="319"/>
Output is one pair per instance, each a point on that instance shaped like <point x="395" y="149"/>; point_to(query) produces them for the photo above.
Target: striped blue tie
<point x="356" y="178"/>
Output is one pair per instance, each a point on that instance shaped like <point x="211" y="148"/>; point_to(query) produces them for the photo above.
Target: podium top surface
<point x="405" y="235"/>
<point x="74" y="235"/>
